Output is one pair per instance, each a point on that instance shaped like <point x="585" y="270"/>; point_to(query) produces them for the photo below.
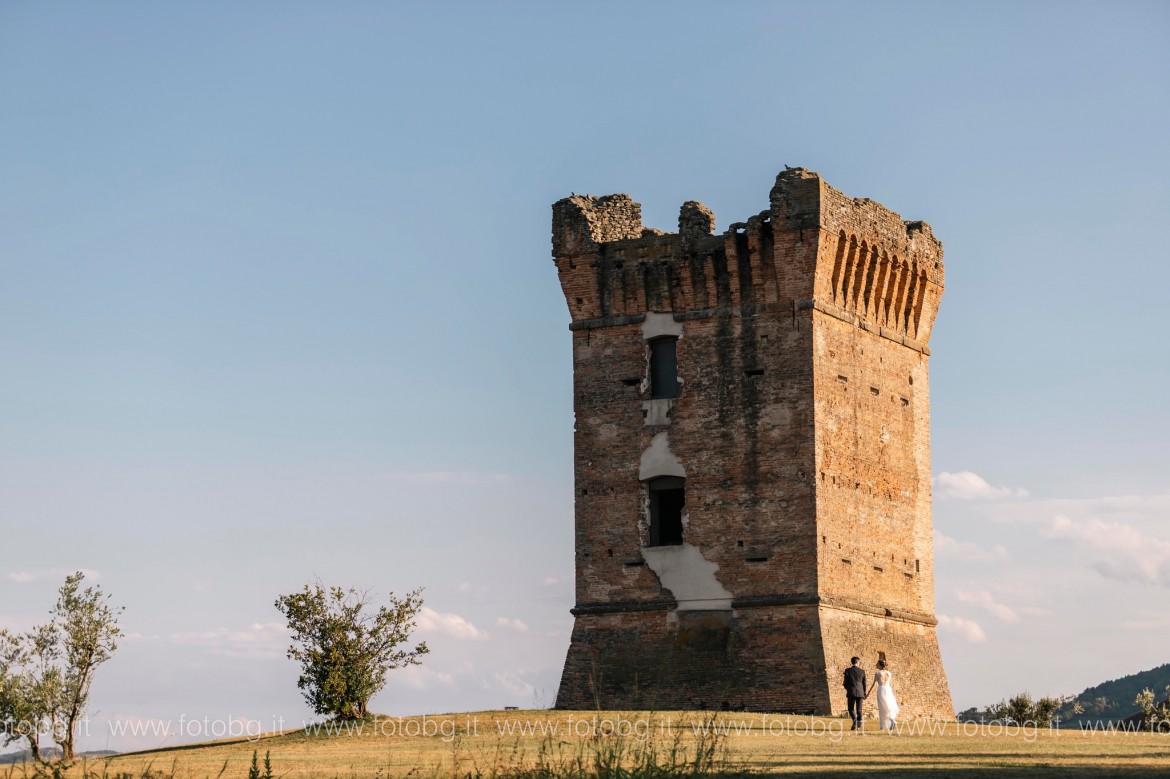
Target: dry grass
<point x="568" y="745"/>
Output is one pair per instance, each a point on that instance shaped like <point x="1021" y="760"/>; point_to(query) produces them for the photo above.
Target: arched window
<point x="663" y="368"/>
<point x="668" y="496"/>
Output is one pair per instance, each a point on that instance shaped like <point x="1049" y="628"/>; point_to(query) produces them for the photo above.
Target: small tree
<point x="345" y="648"/>
<point x="1155" y="716"/>
<point x="1023" y="710"/>
<point x="30" y="684"/>
<point x="89" y="631"/>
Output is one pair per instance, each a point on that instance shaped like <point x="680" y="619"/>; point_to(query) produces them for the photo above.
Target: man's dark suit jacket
<point x="855" y="682"/>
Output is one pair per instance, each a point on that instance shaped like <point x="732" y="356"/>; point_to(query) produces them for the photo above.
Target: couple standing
<point x="856" y="692"/>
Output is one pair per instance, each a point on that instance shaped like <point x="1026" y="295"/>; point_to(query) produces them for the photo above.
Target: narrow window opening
<point x="664" y="368"/>
<point x="917" y="567"/>
<point x="754" y="371"/>
<point x="757" y="559"/>
<point x="667" y="499"/>
<point x="631" y="382"/>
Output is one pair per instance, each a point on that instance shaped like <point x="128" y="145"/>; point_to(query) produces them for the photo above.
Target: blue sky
<point x="276" y="302"/>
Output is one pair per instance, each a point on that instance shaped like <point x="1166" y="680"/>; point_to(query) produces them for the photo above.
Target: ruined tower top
<point x="612" y="266"/>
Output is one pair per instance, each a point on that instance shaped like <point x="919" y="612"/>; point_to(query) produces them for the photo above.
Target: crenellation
<point x="695" y="222"/>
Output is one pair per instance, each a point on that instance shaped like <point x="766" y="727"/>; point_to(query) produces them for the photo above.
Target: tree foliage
<point x="46" y="673"/>
<point x="346" y="647"/>
<point x="1023" y="710"/>
<point x="89" y="632"/>
<point x="30" y="684"/>
<point x="1155" y="716"/>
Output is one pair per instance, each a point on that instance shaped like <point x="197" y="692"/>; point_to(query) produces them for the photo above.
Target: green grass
<point x="579" y="744"/>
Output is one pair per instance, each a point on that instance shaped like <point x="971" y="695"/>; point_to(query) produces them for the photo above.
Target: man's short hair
<point x="854" y="660"/>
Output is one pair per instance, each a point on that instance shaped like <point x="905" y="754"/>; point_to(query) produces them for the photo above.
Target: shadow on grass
<point x="962" y="772"/>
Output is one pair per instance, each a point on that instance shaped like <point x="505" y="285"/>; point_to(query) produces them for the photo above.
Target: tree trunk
<point x="67" y="744"/>
<point x="68" y="729"/>
<point x="34" y="747"/>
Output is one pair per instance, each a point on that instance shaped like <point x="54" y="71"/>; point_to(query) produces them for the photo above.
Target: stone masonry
<point x="752" y="453"/>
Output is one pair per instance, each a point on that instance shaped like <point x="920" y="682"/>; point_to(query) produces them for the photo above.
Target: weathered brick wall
<point x="802" y="430"/>
<point x="910" y="648"/>
<point x="766" y="659"/>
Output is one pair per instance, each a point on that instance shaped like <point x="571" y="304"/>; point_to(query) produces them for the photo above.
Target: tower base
<point x="786" y="658"/>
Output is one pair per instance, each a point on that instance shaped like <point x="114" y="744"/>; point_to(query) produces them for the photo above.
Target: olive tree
<point x="1155" y="715"/>
<point x="30" y="684"/>
<point x="46" y="673"/>
<point x="346" y="645"/>
<point x="88" y="626"/>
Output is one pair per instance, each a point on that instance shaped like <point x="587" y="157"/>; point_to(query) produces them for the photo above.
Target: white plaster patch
<point x="658" y="460"/>
<point x="657" y="325"/>
<point x="689" y="576"/>
<point x="657" y="412"/>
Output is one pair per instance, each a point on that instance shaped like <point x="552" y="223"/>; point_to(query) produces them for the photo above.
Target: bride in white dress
<point x="886" y="702"/>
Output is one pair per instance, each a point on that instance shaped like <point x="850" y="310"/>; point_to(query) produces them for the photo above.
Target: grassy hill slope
<point x="576" y="744"/>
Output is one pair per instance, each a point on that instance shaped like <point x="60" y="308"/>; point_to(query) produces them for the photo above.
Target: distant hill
<point x="23" y="756"/>
<point x="1113" y="700"/>
<point x="1110" y="701"/>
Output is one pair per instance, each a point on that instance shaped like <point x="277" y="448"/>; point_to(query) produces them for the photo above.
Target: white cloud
<point x="966" y="485"/>
<point x="1118" y="551"/>
<point x="550" y="580"/>
<point x="513" y="683"/>
<point x="261" y="641"/>
<point x="968" y="551"/>
<point x="418" y="677"/>
<point x="27" y="577"/>
<point x="449" y="624"/>
<point x="966" y="628"/>
<point x="519" y="625"/>
<point x="988" y="602"/>
<point x="476" y="591"/>
<point x="1158" y="623"/>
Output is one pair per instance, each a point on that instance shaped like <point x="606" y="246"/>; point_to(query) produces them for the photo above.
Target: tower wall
<point x="802" y="443"/>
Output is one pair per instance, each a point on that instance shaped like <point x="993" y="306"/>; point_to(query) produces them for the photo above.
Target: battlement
<point x="814" y="247"/>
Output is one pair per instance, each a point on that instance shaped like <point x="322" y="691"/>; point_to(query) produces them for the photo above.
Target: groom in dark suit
<point x="855" y="690"/>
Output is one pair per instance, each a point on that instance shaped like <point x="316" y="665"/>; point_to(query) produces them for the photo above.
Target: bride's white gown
<point x="886" y="702"/>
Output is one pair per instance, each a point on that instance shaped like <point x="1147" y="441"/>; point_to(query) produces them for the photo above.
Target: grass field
<point x="556" y="744"/>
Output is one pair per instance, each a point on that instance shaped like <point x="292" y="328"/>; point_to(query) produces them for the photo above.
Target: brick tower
<point x="752" y="453"/>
